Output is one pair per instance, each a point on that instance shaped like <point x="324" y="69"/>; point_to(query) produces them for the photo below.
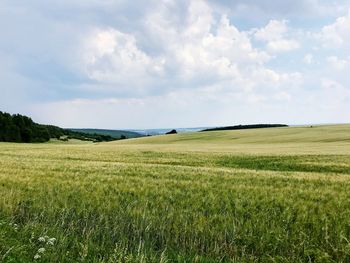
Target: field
<point x="265" y="195"/>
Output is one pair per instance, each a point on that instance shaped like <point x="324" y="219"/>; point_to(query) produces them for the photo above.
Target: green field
<point x="264" y="195"/>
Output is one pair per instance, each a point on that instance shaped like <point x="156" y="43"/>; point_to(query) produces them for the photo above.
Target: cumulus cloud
<point x="274" y="30"/>
<point x="275" y="36"/>
<point x="337" y="34"/>
<point x="170" y="62"/>
<point x="111" y="56"/>
<point x="224" y="54"/>
<point x="200" y="52"/>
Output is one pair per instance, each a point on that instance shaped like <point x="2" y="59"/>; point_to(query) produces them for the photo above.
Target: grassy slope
<point x="291" y="140"/>
<point x="274" y="195"/>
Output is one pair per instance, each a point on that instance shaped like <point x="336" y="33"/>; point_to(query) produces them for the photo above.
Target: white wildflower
<point x="41" y="250"/>
<point x="41" y="239"/>
<point x="51" y="241"/>
<point x="37" y="256"/>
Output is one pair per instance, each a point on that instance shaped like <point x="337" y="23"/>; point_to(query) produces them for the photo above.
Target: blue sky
<point x="166" y="63"/>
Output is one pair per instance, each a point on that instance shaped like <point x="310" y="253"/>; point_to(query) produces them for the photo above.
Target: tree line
<point x="245" y="127"/>
<point x="20" y="128"/>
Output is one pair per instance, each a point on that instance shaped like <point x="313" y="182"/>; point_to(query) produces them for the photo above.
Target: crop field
<point x="264" y="195"/>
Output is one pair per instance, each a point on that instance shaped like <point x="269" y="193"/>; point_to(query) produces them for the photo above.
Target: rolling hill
<point x="285" y="140"/>
<point x="112" y="133"/>
<point x="264" y="195"/>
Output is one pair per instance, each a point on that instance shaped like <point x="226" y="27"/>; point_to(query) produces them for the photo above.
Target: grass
<point x="274" y="195"/>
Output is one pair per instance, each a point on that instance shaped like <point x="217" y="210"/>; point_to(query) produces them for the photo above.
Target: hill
<point x="151" y="132"/>
<point x="20" y="128"/>
<point x="112" y="133"/>
<point x="285" y="140"/>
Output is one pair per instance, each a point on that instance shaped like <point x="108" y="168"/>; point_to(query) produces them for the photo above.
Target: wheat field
<point x="264" y="195"/>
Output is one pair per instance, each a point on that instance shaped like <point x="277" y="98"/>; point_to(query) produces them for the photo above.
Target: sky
<point x="120" y="64"/>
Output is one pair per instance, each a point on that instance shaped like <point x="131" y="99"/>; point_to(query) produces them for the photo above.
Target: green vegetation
<point x="265" y="195"/>
<point x="19" y="128"/>
<point x="94" y="137"/>
<point x="113" y="133"/>
<point x="171" y="132"/>
<point x="245" y="127"/>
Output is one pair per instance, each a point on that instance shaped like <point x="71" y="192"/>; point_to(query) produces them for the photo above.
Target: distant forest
<point x="244" y="127"/>
<point x="19" y="128"/>
<point x="112" y="133"/>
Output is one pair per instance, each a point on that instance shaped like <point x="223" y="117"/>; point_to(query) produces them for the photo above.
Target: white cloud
<point x="274" y="30"/>
<point x="199" y="20"/>
<point x="335" y="93"/>
<point x="194" y="54"/>
<point x="308" y="59"/>
<point x="337" y="34"/>
<point x="111" y="56"/>
<point x="337" y="63"/>
<point x="171" y="110"/>
<point x="223" y="54"/>
<point x="174" y="61"/>
<point x="282" y="45"/>
<point x="331" y="85"/>
<point x="275" y="36"/>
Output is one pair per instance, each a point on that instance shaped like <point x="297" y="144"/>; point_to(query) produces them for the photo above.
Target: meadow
<point x="262" y="195"/>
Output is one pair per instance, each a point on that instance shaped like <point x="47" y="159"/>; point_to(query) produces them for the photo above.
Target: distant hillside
<point x="19" y="128"/>
<point x="244" y="127"/>
<point x="147" y="132"/>
<point x="112" y="133"/>
<point x="302" y="139"/>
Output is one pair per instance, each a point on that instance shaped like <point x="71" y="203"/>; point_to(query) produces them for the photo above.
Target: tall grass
<point x="118" y="203"/>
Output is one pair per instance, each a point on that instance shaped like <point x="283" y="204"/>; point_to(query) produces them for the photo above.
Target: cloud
<point x="331" y="85"/>
<point x="337" y="35"/>
<point x="171" y="110"/>
<point x="274" y="30"/>
<point x="274" y="34"/>
<point x="224" y="53"/>
<point x="282" y="45"/>
<point x="337" y="63"/>
<point x="336" y="93"/>
<point x="110" y="56"/>
<point x="175" y="61"/>
<point x="308" y="59"/>
<point x="201" y="51"/>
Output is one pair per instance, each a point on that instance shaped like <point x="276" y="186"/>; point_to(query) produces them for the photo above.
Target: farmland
<point x="265" y="195"/>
